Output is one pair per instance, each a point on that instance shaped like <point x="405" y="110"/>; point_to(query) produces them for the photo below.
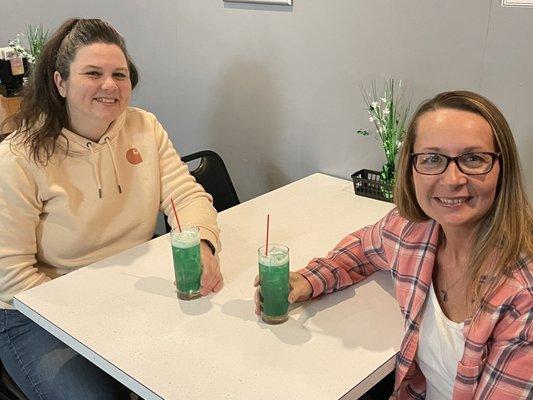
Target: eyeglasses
<point x="468" y="163"/>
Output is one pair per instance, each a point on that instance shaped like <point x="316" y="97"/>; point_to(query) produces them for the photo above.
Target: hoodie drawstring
<point x="117" y="176"/>
<point x="95" y="171"/>
<point x="90" y="146"/>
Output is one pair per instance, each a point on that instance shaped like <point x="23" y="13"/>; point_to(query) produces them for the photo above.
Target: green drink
<point x="274" y="280"/>
<point x="187" y="263"/>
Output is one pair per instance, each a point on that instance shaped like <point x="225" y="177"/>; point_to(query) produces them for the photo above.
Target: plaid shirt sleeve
<point x="508" y="370"/>
<point x="355" y="257"/>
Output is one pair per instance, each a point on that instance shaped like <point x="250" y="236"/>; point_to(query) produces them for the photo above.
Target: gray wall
<point x="276" y="90"/>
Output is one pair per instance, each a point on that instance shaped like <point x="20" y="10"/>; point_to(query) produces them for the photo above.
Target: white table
<point x="122" y="313"/>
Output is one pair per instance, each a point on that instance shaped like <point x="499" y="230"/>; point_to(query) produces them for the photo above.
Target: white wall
<point x="276" y="90"/>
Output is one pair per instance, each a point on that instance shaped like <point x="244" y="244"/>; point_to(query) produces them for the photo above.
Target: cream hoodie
<point x="95" y="201"/>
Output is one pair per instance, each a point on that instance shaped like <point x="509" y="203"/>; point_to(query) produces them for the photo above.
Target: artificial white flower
<point x="21" y="51"/>
<point x="380" y="111"/>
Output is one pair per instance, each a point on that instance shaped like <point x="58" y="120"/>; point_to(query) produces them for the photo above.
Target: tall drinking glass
<point x="274" y="280"/>
<point x="187" y="262"/>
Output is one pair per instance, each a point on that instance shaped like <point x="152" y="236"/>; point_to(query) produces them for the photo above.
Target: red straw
<point x="268" y="228"/>
<point x="175" y="214"/>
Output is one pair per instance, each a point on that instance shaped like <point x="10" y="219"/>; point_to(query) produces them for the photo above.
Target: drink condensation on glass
<point x="274" y="280"/>
<point x="187" y="263"/>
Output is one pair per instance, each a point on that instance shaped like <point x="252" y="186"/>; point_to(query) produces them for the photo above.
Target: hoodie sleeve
<point x="20" y="209"/>
<point x="193" y="204"/>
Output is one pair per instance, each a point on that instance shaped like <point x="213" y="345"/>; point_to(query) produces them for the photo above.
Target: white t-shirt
<point x="440" y="348"/>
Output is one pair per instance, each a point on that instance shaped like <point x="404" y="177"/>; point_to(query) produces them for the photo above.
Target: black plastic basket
<point x="368" y="183"/>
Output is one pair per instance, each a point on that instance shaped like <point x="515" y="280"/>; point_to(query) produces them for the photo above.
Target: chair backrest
<point x="212" y="174"/>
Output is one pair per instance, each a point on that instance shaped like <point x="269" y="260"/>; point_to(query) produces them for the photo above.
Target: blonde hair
<point x="507" y="225"/>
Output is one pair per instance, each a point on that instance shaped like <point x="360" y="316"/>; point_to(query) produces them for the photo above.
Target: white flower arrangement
<point x="389" y="115"/>
<point x="16" y="45"/>
<point x="36" y="36"/>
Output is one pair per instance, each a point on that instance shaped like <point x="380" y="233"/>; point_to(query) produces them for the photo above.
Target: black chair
<point x="8" y="388"/>
<point x="382" y="390"/>
<point x="213" y="175"/>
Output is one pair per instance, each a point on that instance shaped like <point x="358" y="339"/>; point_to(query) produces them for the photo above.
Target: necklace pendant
<point x="444" y="295"/>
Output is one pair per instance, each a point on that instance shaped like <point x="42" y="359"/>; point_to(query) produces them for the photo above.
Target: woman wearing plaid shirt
<point x="459" y="246"/>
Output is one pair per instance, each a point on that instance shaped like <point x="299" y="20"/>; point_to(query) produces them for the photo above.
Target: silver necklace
<point x="444" y="291"/>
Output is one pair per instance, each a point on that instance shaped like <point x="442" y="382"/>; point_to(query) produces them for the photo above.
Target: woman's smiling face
<point x="98" y="88"/>
<point x="453" y="199"/>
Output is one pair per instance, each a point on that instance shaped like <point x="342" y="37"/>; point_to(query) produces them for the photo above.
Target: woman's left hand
<point x="211" y="279"/>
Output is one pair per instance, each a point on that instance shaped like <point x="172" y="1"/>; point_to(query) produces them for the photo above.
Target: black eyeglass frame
<point x="455" y="159"/>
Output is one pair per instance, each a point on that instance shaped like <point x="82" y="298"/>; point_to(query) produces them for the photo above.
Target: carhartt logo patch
<point x="133" y="156"/>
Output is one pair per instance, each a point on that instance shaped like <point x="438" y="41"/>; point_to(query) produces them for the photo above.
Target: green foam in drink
<point x="187" y="263"/>
<point x="274" y="280"/>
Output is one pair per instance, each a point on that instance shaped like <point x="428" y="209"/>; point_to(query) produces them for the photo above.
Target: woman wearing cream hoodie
<point x="83" y="177"/>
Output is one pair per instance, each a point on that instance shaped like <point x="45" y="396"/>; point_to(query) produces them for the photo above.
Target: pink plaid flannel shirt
<point x="498" y="358"/>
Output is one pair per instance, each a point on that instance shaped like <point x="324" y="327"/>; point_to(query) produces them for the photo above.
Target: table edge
<point x="87" y="353"/>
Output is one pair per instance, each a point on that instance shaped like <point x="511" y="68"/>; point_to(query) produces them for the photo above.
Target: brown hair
<point x="507" y="225"/>
<point x="43" y="113"/>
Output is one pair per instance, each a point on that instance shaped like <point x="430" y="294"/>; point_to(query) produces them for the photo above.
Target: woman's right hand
<point x="301" y="290"/>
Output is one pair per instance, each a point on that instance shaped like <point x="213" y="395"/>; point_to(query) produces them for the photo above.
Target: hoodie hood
<point x="77" y="145"/>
